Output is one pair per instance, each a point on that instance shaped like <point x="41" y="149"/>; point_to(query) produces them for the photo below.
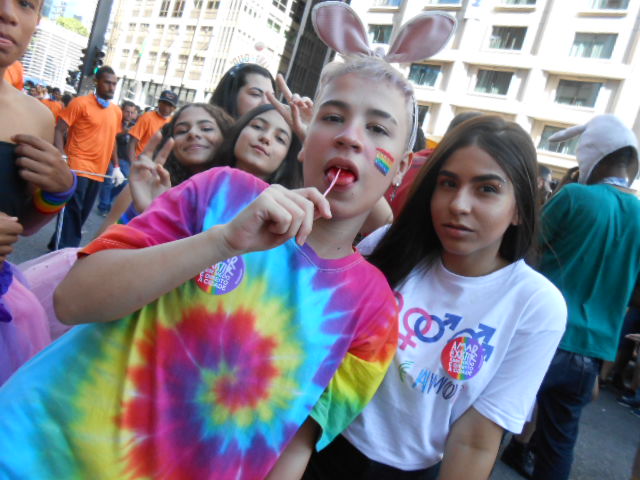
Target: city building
<point x="54" y="9"/>
<point x="304" y="53"/>
<point x="188" y="45"/>
<point x="546" y="64"/>
<point x="53" y="51"/>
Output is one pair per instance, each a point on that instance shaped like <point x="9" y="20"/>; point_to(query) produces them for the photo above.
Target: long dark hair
<point x="226" y="93"/>
<point x="288" y="174"/>
<point x="412" y="240"/>
<point x="178" y="172"/>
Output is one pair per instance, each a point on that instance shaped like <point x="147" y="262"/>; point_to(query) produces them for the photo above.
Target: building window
<point x="197" y="4"/>
<point x="164" y="8"/>
<point x="610" y="4"/>
<point x="579" y="94"/>
<point x="593" y="45"/>
<point x="518" y="2"/>
<point x="178" y="8"/>
<point x="387" y="3"/>
<point x="213" y="5"/>
<point x="507" y="38"/>
<point x="280" y="4"/>
<point x="424" y="74"/>
<point x="567" y="147"/>
<point x="493" y="82"/>
<point x="444" y="2"/>
<point x="380" y="33"/>
<point x="125" y="56"/>
<point x="274" y="25"/>
<point x="164" y="63"/>
<point x="151" y="62"/>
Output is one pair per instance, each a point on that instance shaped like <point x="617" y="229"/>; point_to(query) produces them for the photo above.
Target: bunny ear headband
<point x="602" y="135"/>
<point x="338" y="26"/>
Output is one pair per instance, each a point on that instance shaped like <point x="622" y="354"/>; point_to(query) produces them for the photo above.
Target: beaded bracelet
<point x="50" y="203"/>
<point x="129" y="214"/>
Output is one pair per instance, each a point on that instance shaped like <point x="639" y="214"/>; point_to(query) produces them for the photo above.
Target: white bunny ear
<point x="339" y="28"/>
<point x="567" y="133"/>
<point x="422" y="37"/>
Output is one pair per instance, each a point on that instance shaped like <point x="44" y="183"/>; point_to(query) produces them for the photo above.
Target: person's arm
<point x="148" y="178"/>
<point x="471" y="448"/>
<point x="10" y="230"/>
<point x="111" y="284"/>
<point x="379" y="216"/>
<point x="298" y="112"/>
<point x="62" y="129"/>
<point x="41" y="164"/>
<point x="131" y="148"/>
<point x="114" y="154"/>
<point x="120" y="205"/>
<point x="293" y="461"/>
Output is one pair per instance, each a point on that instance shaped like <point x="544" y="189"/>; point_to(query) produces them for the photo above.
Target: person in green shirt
<point x="591" y="238"/>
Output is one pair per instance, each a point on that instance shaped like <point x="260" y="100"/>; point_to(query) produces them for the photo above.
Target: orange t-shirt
<point x="53" y="105"/>
<point x="146" y="127"/>
<point x="92" y="134"/>
<point x="14" y="74"/>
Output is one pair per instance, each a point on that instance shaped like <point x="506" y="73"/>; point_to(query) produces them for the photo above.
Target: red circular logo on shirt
<point x="462" y="358"/>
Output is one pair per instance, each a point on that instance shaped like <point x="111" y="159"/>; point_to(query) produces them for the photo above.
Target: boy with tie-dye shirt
<point x="244" y="315"/>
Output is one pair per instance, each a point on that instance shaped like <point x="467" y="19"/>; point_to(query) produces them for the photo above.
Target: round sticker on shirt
<point x="462" y="358"/>
<point x="223" y="277"/>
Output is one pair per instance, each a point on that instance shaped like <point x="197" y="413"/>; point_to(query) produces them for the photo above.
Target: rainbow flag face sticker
<point x="462" y="358"/>
<point x="384" y="161"/>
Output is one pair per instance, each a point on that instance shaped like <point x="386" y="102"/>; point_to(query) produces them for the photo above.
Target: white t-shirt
<point x="483" y="341"/>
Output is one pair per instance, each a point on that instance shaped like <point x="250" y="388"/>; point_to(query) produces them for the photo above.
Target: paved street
<point x="36" y="245"/>
<point x="609" y="433"/>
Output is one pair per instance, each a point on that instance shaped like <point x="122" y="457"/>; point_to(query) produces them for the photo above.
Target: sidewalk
<point x="609" y="436"/>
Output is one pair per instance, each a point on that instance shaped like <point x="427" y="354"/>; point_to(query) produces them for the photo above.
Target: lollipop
<point x="333" y="182"/>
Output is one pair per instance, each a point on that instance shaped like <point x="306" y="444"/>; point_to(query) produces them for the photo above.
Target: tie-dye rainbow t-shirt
<point x="214" y="378"/>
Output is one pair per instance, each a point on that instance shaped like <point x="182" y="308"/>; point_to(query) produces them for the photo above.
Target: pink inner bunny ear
<point x="422" y="37"/>
<point x="567" y="133"/>
<point x="339" y="28"/>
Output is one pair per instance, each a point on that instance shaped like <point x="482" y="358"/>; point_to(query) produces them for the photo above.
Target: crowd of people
<point x="299" y="288"/>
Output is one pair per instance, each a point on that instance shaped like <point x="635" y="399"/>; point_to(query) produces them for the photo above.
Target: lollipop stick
<point x="333" y="182"/>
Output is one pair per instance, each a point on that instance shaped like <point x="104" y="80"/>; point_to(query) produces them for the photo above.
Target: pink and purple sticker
<point x="223" y="277"/>
<point x="384" y="161"/>
<point x="462" y="358"/>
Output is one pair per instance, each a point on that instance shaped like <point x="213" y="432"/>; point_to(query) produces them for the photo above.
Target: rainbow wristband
<point x="50" y="203"/>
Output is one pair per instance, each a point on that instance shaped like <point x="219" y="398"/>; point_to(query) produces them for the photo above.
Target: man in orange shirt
<point x="151" y="122"/>
<point x="90" y="124"/>
<point x="53" y="103"/>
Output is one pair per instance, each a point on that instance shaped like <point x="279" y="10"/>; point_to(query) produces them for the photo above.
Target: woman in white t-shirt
<point x="478" y="326"/>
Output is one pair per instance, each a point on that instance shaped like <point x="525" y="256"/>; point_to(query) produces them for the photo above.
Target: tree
<point x="74" y="25"/>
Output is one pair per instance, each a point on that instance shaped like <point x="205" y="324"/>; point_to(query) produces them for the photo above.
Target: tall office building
<point x="304" y="53"/>
<point x="546" y="64"/>
<point x="54" y="9"/>
<point x="188" y="45"/>
<point x="53" y="51"/>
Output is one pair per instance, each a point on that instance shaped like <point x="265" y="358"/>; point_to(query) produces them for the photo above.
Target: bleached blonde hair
<point x="377" y="70"/>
